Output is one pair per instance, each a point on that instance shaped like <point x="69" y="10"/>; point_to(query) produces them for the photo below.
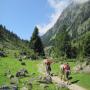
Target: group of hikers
<point x="64" y="69"/>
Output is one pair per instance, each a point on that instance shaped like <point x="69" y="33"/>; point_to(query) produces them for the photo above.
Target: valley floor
<point x="14" y="65"/>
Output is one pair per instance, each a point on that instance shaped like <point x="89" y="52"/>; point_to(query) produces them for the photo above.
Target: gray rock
<point x="86" y="69"/>
<point x="61" y="85"/>
<point x="5" y="87"/>
<point x="22" y="72"/>
<point x="47" y="79"/>
<point x="14" y="87"/>
<point x="78" y="68"/>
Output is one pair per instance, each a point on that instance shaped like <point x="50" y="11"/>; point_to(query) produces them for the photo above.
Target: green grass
<point x="12" y="64"/>
<point x="83" y="80"/>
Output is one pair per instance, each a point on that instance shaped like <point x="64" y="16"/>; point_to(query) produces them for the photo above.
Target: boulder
<point x="83" y="67"/>
<point x="14" y="87"/>
<point x="5" y="87"/>
<point x="47" y="79"/>
<point x="61" y="85"/>
<point x="78" y="68"/>
<point x="22" y="72"/>
<point x="2" y="54"/>
<point x="86" y="69"/>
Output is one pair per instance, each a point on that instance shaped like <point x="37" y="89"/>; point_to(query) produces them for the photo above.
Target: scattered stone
<point x="22" y="72"/>
<point x="2" y="54"/>
<point x="48" y="79"/>
<point x="5" y="87"/>
<point x="61" y="85"/>
<point x="14" y="87"/>
<point x="78" y="68"/>
<point x="86" y="69"/>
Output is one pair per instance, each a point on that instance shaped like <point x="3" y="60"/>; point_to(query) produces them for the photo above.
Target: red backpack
<point x="66" y="67"/>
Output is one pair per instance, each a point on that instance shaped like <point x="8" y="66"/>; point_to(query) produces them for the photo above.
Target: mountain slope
<point x="10" y="40"/>
<point x="76" y="17"/>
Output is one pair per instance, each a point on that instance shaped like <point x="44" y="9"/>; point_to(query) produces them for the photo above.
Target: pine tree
<point x="36" y="43"/>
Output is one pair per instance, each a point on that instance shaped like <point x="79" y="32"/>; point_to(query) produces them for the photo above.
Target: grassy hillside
<point x="76" y="19"/>
<point x="10" y="40"/>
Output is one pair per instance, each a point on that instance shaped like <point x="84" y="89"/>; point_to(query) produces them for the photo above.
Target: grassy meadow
<point x="13" y="65"/>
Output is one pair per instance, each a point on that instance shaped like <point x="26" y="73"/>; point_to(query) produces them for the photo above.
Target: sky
<point x="21" y="16"/>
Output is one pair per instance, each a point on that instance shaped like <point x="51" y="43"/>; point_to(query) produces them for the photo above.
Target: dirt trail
<point x="56" y="79"/>
<point x="71" y="87"/>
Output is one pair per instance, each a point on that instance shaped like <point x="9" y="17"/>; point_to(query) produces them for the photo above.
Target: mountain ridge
<point x="10" y="40"/>
<point x="74" y="16"/>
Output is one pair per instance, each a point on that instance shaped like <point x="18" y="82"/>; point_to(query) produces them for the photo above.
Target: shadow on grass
<point x="76" y="81"/>
<point x="44" y="82"/>
<point x="70" y="78"/>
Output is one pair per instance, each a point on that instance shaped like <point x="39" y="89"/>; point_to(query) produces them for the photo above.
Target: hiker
<point x="67" y="71"/>
<point x="62" y="71"/>
<point x="48" y="66"/>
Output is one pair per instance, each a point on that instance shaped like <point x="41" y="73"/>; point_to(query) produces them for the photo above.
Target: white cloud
<point x="58" y="6"/>
<point x="80" y="1"/>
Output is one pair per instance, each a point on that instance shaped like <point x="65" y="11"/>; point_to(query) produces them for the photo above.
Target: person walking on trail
<point x="67" y="71"/>
<point x="48" y="66"/>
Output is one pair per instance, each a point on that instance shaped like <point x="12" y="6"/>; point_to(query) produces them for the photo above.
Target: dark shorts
<point x="67" y="75"/>
<point x="48" y="68"/>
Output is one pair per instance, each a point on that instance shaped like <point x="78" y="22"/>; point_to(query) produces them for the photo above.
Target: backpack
<point x="66" y="67"/>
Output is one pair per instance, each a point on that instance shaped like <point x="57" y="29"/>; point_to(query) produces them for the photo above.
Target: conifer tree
<point x="36" y="43"/>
